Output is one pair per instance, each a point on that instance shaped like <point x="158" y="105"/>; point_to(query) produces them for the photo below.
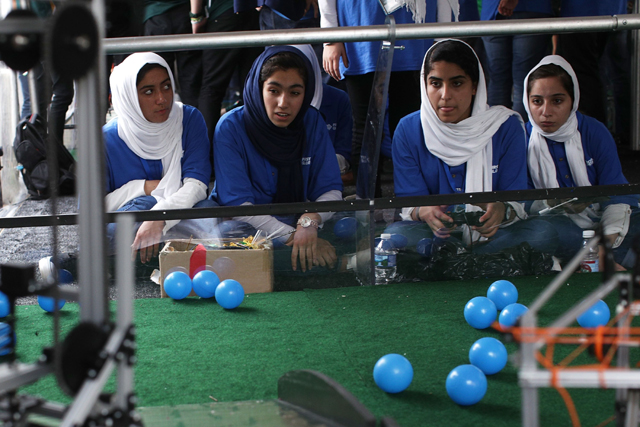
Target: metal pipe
<point x="635" y="84"/>
<point x="368" y="33"/>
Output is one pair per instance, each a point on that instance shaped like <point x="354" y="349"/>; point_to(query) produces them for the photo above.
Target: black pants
<point x="583" y="51"/>
<point x="188" y="63"/>
<point x="404" y="98"/>
<point x="60" y="91"/>
<point x="219" y="65"/>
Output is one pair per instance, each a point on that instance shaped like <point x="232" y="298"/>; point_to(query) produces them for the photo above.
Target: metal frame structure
<point x="91" y="218"/>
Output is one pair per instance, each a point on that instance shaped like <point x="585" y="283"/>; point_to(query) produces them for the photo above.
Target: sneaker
<point x="66" y="261"/>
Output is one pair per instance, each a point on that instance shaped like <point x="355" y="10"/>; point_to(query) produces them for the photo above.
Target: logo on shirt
<point x="306" y="161"/>
<point x="332" y="126"/>
<point x="494" y="169"/>
<point x="590" y="162"/>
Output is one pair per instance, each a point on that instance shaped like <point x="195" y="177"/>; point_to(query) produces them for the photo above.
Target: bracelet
<point x="196" y="15"/>
<point x="196" y="20"/>
<point x="417" y="211"/>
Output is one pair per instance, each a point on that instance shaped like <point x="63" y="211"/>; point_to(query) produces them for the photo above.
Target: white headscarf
<point x="469" y="140"/>
<point x="150" y="141"/>
<point x="541" y="166"/>
<point x="446" y="8"/>
<point x="311" y="56"/>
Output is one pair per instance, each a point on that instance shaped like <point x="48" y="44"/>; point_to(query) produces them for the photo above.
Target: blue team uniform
<point x="570" y="8"/>
<point x="243" y="175"/>
<point x="123" y="165"/>
<point x="490" y="8"/>
<point x="363" y="56"/>
<point x="418" y="172"/>
<point x="336" y="111"/>
<point x="603" y="168"/>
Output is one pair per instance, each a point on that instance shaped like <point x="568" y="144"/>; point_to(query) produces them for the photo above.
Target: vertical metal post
<point x="530" y="402"/>
<point x="90" y="186"/>
<point x="125" y="280"/>
<point x="635" y="85"/>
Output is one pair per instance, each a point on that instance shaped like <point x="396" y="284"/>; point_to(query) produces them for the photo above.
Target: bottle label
<point x="385" y="261"/>
<point x="590" y="266"/>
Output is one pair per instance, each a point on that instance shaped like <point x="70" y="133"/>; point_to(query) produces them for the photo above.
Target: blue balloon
<point x="510" y="314"/>
<point x="393" y="373"/>
<point x="423" y="247"/>
<point x="502" y="293"/>
<point x="345" y="227"/>
<point x="488" y="354"/>
<point x="4" y="305"/>
<point x="177" y="285"/>
<point x="205" y="283"/>
<point x="48" y="305"/>
<point x="596" y="315"/>
<point x="399" y="241"/>
<point x="480" y="312"/>
<point x="466" y="385"/>
<point x="229" y="294"/>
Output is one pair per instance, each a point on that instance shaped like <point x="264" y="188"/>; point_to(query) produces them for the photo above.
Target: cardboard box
<point x="253" y="268"/>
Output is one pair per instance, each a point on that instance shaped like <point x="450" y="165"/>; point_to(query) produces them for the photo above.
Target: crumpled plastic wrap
<point x="451" y="261"/>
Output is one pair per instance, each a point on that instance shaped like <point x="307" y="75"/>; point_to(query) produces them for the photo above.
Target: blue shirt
<point x="363" y="56"/>
<point x="468" y="11"/>
<point x="490" y="8"/>
<point x="336" y="111"/>
<point x="570" y="8"/>
<point x="600" y="156"/>
<point x="418" y="172"/>
<point x="244" y="175"/>
<point x="123" y="165"/>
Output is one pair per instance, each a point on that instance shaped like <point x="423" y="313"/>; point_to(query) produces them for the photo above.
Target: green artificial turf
<point x="193" y="351"/>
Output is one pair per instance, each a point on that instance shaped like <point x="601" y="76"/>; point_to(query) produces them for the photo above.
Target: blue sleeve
<point x="510" y="147"/>
<point x="489" y="9"/>
<point x="407" y="174"/>
<point x="233" y="184"/>
<point x="110" y="183"/>
<point x="602" y="152"/>
<point x="196" y="146"/>
<point x="324" y="173"/>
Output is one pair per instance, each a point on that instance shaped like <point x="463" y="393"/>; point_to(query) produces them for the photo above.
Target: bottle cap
<point x="385" y="236"/>
<point x="588" y="234"/>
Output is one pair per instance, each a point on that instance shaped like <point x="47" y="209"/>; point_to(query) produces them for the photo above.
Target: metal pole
<point x="635" y="84"/>
<point x="368" y="33"/>
<point x="90" y="188"/>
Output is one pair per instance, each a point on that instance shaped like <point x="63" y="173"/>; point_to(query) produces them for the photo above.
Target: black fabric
<point x="282" y="147"/>
<point x="31" y="149"/>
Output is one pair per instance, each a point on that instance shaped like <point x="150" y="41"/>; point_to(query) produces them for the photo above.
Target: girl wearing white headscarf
<point x="457" y="144"/>
<point x="157" y="149"/>
<point x="569" y="149"/>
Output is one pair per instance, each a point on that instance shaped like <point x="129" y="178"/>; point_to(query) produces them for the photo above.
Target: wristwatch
<point x="307" y="222"/>
<point x="507" y="211"/>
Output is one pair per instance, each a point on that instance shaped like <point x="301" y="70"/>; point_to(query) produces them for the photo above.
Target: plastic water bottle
<point x="591" y="261"/>
<point x="385" y="260"/>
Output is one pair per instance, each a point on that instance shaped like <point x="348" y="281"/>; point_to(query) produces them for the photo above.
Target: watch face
<point x="305" y="221"/>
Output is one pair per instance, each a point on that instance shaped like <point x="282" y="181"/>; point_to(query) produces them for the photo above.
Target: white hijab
<point x="469" y="140"/>
<point x="311" y="56"/>
<point x="446" y="8"/>
<point x="150" y="141"/>
<point x="541" y="166"/>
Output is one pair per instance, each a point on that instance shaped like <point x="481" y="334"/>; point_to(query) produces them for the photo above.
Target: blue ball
<point x="480" y="312"/>
<point x="488" y="354"/>
<point x="47" y="303"/>
<point x="177" y="285"/>
<point x="65" y="277"/>
<point x="502" y="293"/>
<point x="393" y="373"/>
<point x="510" y="314"/>
<point x="399" y="241"/>
<point x="229" y="294"/>
<point x="423" y="247"/>
<point x="7" y="339"/>
<point x="4" y="305"/>
<point x="596" y="315"/>
<point x="387" y="245"/>
<point x="345" y="227"/>
<point x="466" y="385"/>
<point x="205" y="283"/>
